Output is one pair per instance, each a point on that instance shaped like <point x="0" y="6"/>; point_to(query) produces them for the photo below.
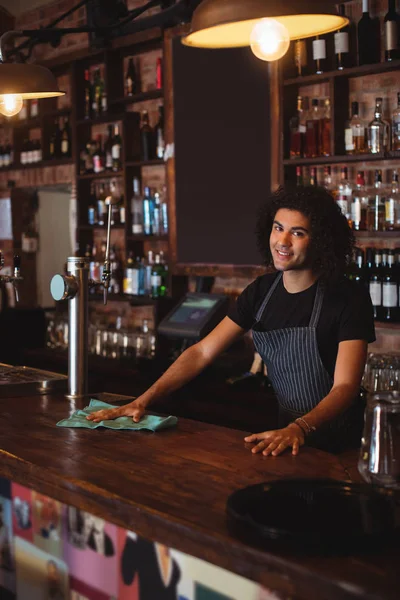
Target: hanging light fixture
<point x="267" y="26"/>
<point x="19" y="82"/>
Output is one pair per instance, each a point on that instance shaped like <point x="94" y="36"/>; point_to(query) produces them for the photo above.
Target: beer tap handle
<point x="17" y="275"/>
<point x="1" y="259"/>
<point x="106" y="278"/>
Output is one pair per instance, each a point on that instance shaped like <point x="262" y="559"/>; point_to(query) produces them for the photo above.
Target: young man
<point x="310" y="325"/>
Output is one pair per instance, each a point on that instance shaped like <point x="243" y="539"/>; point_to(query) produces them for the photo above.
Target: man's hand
<point x="134" y="410"/>
<point x="276" y="441"/>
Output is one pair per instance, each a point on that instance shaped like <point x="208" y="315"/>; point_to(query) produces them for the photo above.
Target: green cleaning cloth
<point x="78" y="419"/>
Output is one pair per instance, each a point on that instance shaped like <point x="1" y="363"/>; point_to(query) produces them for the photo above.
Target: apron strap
<point x="268" y="296"/>
<point x="319" y="298"/>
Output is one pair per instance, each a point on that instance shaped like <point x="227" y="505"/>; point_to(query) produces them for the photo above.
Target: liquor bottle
<point x="116" y="150"/>
<point x="343" y="54"/>
<point x="103" y="95"/>
<point x="23" y="113"/>
<point x="8" y="154"/>
<point x="299" y="176"/>
<point x="131" y="81"/>
<point x="297" y="127"/>
<point x="375" y="285"/>
<point x="369" y="265"/>
<point x="378" y="131"/>
<point x="108" y="149"/>
<point x="137" y="208"/>
<point x="146" y="137"/>
<point x="148" y="267"/>
<point x="88" y="96"/>
<point x="159" y="74"/>
<point x="101" y="205"/>
<point x="355" y="270"/>
<point x="300" y="56"/>
<point x="158" y="278"/>
<point x="390" y="299"/>
<point x="396" y="125"/>
<point x="312" y="137"/>
<point x="368" y="37"/>
<point x="148" y="211"/>
<point x="344" y="193"/>
<point x="98" y="156"/>
<point x="129" y="275"/>
<point x="65" y="146"/>
<point x="96" y="95"/>
<point x="359" y="205"/>
<point x="92" y="213"/>
<point x="376" y="207"/>
<point x="54" y="145"/>
<point x="22" y="157"/>
<point x="392" y="205"/>
<point x="354" y="135"/>
<point x="34" y="108"/>
<point x="164" y="213"/>
<point x="319" y="54"/>
<point x="159" y="134"/>
<point x="325" y="129"/>
<point x="313" y="176"/>
<point x="392" y="32"/>
<point x="157" y="214"/>
<point x="328" y="179"/>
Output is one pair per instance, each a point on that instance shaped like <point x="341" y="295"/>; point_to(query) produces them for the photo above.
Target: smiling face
<point x="290" y="240"/>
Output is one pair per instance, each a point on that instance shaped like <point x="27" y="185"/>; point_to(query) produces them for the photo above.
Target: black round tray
<point x="312" y="513"/>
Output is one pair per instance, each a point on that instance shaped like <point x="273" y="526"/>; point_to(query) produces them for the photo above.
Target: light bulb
<point x="269" y="40"/>
<point x="10" y="104"/>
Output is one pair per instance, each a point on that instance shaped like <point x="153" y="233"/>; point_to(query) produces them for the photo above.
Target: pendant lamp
<point x="265" y="25"/>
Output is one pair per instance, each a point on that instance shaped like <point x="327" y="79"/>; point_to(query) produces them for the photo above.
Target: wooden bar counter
<point x="172" y="487"/>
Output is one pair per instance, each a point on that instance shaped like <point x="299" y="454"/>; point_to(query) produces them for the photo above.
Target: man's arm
<point x="349" y="369"/>
<point x="189" y="364"/>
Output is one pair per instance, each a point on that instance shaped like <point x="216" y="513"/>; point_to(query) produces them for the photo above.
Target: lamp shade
<point x="229" y="23"/>
<point x="28" y="81"/>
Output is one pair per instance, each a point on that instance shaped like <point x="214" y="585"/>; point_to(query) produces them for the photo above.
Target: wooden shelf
<point x="102" y="227"/>
<point x="102" y="175"/>
<point x="351" y="72"/>
<point x="145" y="163"/>
<point x="147" y="238"/>
<point x="133" y="300"/>
<point x="377" y="234"/>
<point x="142" y="97"/>
<point x="55" y="162"/>
<point x="346" y="158"/>
<point x="107" y="118"/>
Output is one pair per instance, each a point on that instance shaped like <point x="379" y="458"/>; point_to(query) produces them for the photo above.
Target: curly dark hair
<point x="332" y="240"/>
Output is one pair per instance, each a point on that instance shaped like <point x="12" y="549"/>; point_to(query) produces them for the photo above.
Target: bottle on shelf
<point x="392" y="205"/>
<point x="55" y="141"/>
<point x="146" y="137"/>
<point x="328" y="179"/>
<point x="116" y="150"/>
<point x="148" y="211"/>
<point x="148" y="267"/>
<point x="108" y="149"/>
<point x="368" y="35"/>
<point x="313" y="176"/>
<point x="92" y="213"/>
<point x="343" y="54"/>
<point x="319" y="54"/>
<point x="300" y="56"/>
<point x="390" y="290"/>
<point x="101" y="205"/>
<point x="159" y="74"/>
<point x="131" y="79"/>
<point x="65" y="142"/>
<point x="375" y="285"/>
<point x="157" y="214"/>
<point x="137" y="208"/>
<point x="88" y="96"/>
<point x="164" y="213"/>
<point x="325" y="129"/>
<point x="98" y="156"/>
<point x="158" y="278"/>
<point x="297" y="127"/>
<point x="313" y="136"/>
<point x="116" y="272"/>
<point x="376" y="206"/>
<point x="359" y="205"/>
<point x="159" y="134"/>
<point x="23" y="113"/>
<point x="344" y="193"/>
<point x="34" y="108"/>
<point x="392" y="32"/>
<point x="299" y="176"/>
<point x="396" y="125"/>
<point x="378" y="131"/>
<point x="129" y="275"/>
<point x="355" y="270"/>
<point x="354" y="135"/>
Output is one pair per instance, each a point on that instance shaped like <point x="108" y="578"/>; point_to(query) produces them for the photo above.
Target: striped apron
<point x="300" y="380"/>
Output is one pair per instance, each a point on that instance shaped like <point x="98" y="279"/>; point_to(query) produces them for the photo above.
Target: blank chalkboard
<point x="221" y="110"/>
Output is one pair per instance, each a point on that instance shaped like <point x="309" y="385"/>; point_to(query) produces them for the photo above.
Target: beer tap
<point x="74" y="286"/>
<point x="16" y="277"/>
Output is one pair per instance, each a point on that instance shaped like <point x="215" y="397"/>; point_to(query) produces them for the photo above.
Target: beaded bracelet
<point x="309" y="428"/>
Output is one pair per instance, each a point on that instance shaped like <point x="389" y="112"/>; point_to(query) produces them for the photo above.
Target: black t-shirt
<point x="346" y="313"/>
